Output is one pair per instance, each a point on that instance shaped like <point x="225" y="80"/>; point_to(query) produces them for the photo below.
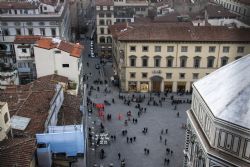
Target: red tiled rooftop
<point x="17" y="5"/>
<point x="17" y="152"/>
<point x="166" y="32"/>
<point x="74" y="50"/>
<point x="104" y="2"/>
<point x="69" y="113"/>
<point x="46" y="43"/>
<point x="27" y="39"/>
<point x="32" y="101"/>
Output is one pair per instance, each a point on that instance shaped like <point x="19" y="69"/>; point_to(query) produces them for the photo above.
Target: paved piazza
<point x="155" y="119"/>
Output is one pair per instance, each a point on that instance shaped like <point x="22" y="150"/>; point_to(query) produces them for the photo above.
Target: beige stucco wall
<point x="176" y="54"/>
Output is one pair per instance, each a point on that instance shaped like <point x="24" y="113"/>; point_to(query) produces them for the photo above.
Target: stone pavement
<point x="155" y="119"/>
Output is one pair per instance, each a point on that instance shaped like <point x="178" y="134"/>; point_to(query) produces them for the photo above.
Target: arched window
<point x="102" y="39"/>
<point x="109" y="40"/>
<point x="144" y="61"/>
<point x="170" y="60"/>
<point x="197" y="60"/>
<point x="224" y="60"/>
<point x="183" y="61"/>
<point x="108" y="22"/>
<point x="210" y="61"/>
<point x="157" y="61"/>
<point x="132" y="61"/>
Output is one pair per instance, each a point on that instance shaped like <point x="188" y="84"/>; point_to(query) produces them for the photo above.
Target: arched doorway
<point x="156" y="83"/>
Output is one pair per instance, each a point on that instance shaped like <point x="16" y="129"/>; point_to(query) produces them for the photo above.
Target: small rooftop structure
<point x="226" y="92"/>
<point x="18" y="122"/>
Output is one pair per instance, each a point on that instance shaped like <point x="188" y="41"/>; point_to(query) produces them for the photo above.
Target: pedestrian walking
<point x="165" y="142"/>
<point x="162" y="131"/>
<point x="127" y="139"/>
<point x="119" y="155"/>
<point x="166" y="131"/>
<point x="148" y="151"/>
<point x="145" y="151"/>
<point x="165" y="161"/>
<point x="171" y="152"/>
<point x="178" y="114"/>
<point x="160" y="138"/>
<point x="134" y="138"/>
<point x="114" y="137"/>
<point x="131" y="139"/>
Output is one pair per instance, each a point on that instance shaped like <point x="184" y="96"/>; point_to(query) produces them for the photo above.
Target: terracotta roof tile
<point x="17" y="5"/>
<point x="69" y="113"/>
<point x="46" y="43"/>
<point x="74" y="50"/>
<point x="17" y="152"/>
<point x="49" y="2"/>
<point x="166" y="32"/>
<point x="104" y="2"/>
<point x="29" y="39"/>
<point x="31" y="101"/>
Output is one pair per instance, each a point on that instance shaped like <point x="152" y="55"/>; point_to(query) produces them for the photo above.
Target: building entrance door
<point x="181" y="86"/>
<point x="156" y="83"/>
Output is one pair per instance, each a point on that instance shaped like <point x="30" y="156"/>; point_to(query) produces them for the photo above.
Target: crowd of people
<point x="139" y="103"/>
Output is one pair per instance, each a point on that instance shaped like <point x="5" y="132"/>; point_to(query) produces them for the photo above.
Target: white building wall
<point x="64" y="58"/>
<point x="48" y="62"/>
<point x="45" y="63"/>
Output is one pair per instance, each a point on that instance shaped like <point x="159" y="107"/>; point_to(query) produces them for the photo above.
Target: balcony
<point x="6" y="68"/>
